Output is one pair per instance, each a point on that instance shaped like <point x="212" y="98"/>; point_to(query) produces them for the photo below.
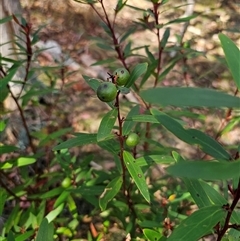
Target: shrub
<point x="192" y="198"/>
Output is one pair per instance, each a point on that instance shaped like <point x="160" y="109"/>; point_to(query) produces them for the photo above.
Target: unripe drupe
<point x="132" y="140"/>
<point x="107" y="91"/>
<point x="122" y="75"/>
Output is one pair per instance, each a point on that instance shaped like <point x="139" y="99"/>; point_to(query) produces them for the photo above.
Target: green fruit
<point x="107" y="91"/>
<point x="122" y="76"/>
<point x="132" y="140"/>
<point x="66" y="182"/>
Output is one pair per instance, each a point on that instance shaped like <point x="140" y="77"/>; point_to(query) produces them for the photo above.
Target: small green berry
<point x="132" y="140"/>
<point x="66" y="182"/>
<point x="122" y="76"/>
<point x="107" y="91"/>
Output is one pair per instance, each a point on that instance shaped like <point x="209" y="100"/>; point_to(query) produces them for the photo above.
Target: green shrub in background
<point x="143" y="208"/>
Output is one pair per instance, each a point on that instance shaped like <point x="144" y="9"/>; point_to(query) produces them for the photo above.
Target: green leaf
<point x="72" y="206"/>
<point x="21" y="161"/>
<point x="151" y="235"/>
<point x="25" y="236"/>
<point x="204" y="219"/>
<point x="189" y="96"/>
<point x="128" y="124"/>
<point x="203" y="194"/>
<point x="8" y="149"/>
<point x="120" y="5"/>
<point x="24" y="161"/>
<point x="173" y="126"/>
<point x="213" y="194"/>
<point x="52" y="193"/>
<point x="136" y="174"/>
<point x="107" y="125"/>
<point x="192" y="136"/>
<point x="61" y="198"/>
<point x="103" y="62"/>
<point x="127" y="33"/>
<point x="181" y="20"/>
<point x="128" y="49"/>
<point x="136" y="73"/>
<point x="206" y="170"/>
<point x="45" y="231"/>
<point x="123" y="90"/>
<point x="3" y="197"/>
<point x="144" y="118"/>
<point x="150" y="70"/>
<point x="81" y="140"/>
<point x="6" y="19"/>
<point x="5" y="80"/>
<point x="165" y="37"/>
<point x="209" y="145"/>
<point x="232" y="55"/>
<point x="10" y="222"/>
<point x="105" y="46"/>
<point x="3" y="93"/>
<point x="89" y="190"/>
<point x="93" y="83"/>
<point x="3" y="124"/>
<point x="54" y="135"/>
<point x="111" y="145"/>
<point x="54" y="213"/>
<point x="150" y="56"/>
<point x="110" y="192"/>
<point x="168" y="68"/>
<point x="10" y="236"/>
<point x="153" y="159"/>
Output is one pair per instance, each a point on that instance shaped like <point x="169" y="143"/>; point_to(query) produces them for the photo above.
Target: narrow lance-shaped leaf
<point x="232" y="54"/>
<point x="209" y="145"/>
<point x="45" y="231"/>
<point x="181" y="20"/>
<point x="10" y="236"/>
<point x="6" y="19"/>
<point x="191" y="136"/>
<point x="54" y="213"/>
<point x="8" y="149"/>
<point x="189" y="96"/>
<point x="198" y="224"/>
<point x="106" y="125"/>
<point x="93" y="83"/>
<point x="4" y="81"/>
<point x="153" y="159"/>
<point x="144" y="118"/>
<point x="110" y="192"/>
<point x="3" y="197"/>
<point x="173" y="126"/>
<point x="165" y="37"/>
<point x="136" y="73"/>
<point x="80" y="140"/>
<point x="21" y="161"/>
<point x="197" y="192"/>
<point x="206" y="170"/>
<point x="128" y="123"/>
<point x="136" y="174"/>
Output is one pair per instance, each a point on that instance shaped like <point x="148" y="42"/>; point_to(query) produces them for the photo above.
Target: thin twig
<point x="229" y="214"/>
<point x="21" y="114"/>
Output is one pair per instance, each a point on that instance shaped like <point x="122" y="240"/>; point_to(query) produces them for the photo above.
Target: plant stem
<point x="229" y="214"/>
<point x="160" y="48"/>
<point x="121" y="142"/>
<point x="21" y="114"/>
